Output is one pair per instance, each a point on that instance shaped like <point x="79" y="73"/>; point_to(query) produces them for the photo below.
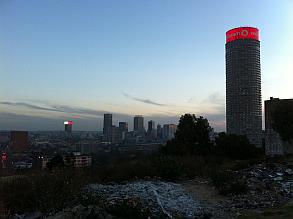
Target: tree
<point x="236" y="146"/>
<point x="191" y="137"/>
<point x="282" y="118"/>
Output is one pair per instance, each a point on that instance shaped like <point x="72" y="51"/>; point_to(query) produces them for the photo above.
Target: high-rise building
<point x="19" y="141"/>
<point x="243" y="84"/>
<point x="107" y="124"/>
<point x="169" y="131"/>
<point x="159" y="132"/>
<point x="273" y="142"/>
<point x="151" y="126"/>
<point x="68" y="126"/>
<point x="151" y="132"/>
<point x="138" y="125"/>
<point x="123" y="126"/>
<point x="114" y="135"/>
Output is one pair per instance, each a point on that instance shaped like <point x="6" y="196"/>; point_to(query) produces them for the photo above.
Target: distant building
<point x="273" y="142"/>
<point x="159" y="132"/>
<point x="138" y="126"/>
<point x="19" y="141"/>
<point x="82" y="161"/>
<point x="44" y="162"/>
<point x="4" y="158"/>
<point x="123" y="127"/>
<point x="151" y="132"/>
<point x="107" y="124"/>
<point x="243" y="84"/>
<point x="169" y="131"/>
<point x="68" y="126"/>
<point x="114" y="135"/>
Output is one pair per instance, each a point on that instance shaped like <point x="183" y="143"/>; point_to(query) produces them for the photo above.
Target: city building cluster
<point x="23" y="149"/>
<point x="120" y="134"/>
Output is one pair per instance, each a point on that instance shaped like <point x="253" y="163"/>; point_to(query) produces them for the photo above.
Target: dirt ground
<point x="201" y="189"/>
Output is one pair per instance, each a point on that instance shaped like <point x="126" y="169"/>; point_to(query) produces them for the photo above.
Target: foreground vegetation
<point x="190" y="154"/>
<point x="281" y="212"/>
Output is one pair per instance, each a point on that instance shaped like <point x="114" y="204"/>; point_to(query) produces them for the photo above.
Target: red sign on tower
<point x="242" y="33"/>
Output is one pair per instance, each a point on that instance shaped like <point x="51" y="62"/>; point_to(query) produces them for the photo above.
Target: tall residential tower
<point x="243" y="83"/>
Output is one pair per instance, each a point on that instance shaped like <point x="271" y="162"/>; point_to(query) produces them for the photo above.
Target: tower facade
<point x="107" y="123"/>
<point x="243" y="84"/>
<point x="68" y="126"/>
<point x="138" y="124"/>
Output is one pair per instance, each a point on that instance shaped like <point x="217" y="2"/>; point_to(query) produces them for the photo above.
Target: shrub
<point x="227" y="183"/>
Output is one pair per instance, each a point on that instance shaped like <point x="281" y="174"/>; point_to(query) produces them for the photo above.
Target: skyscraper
<point x="123" y="126"/>
<point x="138" y="125"/>
<point x="151" y="126"/>
<point x="151" y="132"/>
<point x="169" y="131"/>
<point x="68" y="126"/>
<point x="243" y="83"/>
<point x="107" y="123"/>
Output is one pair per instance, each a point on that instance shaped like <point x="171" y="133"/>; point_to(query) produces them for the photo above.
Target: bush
<point x="168" y="167"/>
<point x="46" y="192"/>
<point x="236" y="147"/>
<point x="227" y="183"/>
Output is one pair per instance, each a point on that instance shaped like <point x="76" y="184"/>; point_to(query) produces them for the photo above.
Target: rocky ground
<point x="268" y="185"/>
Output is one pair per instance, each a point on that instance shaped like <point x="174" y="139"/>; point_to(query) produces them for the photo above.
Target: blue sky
<point x="159" y="58"/>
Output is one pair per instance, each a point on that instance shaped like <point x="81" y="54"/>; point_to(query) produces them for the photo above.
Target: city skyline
<point x="129" y="58"/>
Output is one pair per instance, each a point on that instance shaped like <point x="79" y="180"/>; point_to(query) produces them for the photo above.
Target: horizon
<point x="158" y="59"/>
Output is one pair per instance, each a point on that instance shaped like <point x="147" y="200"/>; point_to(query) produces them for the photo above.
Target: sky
<point x="76" y="60"/>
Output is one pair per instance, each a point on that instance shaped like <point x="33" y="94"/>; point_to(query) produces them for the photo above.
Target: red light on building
<point x="4" y="156"/>
<point x="68" y="126"/>
<point x="242" y="33"/>
<point x="68" y="123"/>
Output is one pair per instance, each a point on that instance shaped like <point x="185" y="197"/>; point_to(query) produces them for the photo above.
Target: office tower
<point x="107" y="123"/>
<point x="114" y="135"/>
<point x="168" y="131"/>
<point x="19" y="141"/>
<point x="138" y="126"/>
<point x="243" y="84"/>
<point x="151" y="126"/>
<point x="68" y="126"/>
<point x="273" y="142"/>
<point x="159" y="132"/>
<point x="151" y="132"/>
<point x="123" y="126"/>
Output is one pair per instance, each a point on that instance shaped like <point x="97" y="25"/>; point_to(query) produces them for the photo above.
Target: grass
<point x="281" y="212"/>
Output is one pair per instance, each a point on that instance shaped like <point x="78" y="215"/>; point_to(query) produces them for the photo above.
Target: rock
<point x="159" y="199"/>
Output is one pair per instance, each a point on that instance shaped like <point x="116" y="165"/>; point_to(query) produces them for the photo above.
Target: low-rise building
<point x="273" y="142"/>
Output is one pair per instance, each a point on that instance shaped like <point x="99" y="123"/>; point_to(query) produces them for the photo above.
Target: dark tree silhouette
<point x="191" y="137"/>
<point x="236" y="147"/>
<point x="283" y="121"/>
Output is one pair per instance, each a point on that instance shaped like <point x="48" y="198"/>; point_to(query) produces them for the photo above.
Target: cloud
<point x="27" y="105"/>
<point x="215" y="98"/>
<point x="147" y="101"/>
<point x="55" y="108"/>
<point x="89" y="119"/>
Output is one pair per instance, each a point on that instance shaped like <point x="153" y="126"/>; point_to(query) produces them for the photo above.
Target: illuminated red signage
<point x="242" y="33"/>
<point x="68" y="123"/>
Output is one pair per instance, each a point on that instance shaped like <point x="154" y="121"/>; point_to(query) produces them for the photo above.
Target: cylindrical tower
<point x="243" y="83"/>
